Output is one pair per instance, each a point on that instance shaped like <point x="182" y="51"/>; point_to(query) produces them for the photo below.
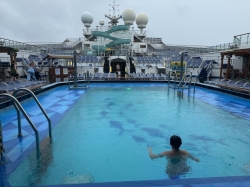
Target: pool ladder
<point x="19" y="108"/>
<point x="185" y="80"/>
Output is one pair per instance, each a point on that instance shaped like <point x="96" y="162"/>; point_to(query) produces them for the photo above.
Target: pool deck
<point x="57" y="105"/>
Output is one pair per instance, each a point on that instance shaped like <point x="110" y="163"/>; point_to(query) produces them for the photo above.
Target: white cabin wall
<point x="238" y="62"/>
<point x="137" y="49"/>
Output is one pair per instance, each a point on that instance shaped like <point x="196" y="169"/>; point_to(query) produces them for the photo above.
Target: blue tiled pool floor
<point x="59" y="102"/>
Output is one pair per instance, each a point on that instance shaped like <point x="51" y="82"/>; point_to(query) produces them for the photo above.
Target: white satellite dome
<point x="141" y="20"/>
<point x="87" y="19"/>
<point x="101" y="22"/>
<point x="128" y="16"/>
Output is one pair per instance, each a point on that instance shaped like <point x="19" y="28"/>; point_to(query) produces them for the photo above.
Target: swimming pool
<point x="105" y="135"/>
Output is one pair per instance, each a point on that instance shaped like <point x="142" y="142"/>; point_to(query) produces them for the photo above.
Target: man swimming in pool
<point x="176" y="158"/>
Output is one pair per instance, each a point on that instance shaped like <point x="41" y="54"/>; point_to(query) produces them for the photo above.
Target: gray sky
<point x="187" y="22"/>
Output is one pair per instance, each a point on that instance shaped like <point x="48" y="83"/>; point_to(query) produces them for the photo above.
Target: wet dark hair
<point x="175" y="141"/>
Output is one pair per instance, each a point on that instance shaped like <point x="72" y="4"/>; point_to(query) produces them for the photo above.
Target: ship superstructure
<point x="123" y="40"/>
<point x="115" y="42"/>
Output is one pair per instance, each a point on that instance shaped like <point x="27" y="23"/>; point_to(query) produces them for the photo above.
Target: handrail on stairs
<point x="39" y="105"/>
<point x="19" y="107"/>
<point x="189" y="77"/>
<point x="200" y="67"/>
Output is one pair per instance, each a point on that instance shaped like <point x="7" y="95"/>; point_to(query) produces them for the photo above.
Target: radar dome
<point x="128" y="16"/>
<point x="141" y="20"/>
<point x="87" y="19"/>
<point x="101" y="22"/>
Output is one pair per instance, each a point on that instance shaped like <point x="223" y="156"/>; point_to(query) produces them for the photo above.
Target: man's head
<point x="175" y="142"/>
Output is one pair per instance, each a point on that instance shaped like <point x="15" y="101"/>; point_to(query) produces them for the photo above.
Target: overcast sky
<point x="186" y="22"/>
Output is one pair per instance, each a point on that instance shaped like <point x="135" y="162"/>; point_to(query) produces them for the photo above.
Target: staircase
<point x="205" y="70"/>
<point x="203" y="73"/>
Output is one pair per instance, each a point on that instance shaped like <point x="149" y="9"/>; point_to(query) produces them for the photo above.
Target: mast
<point x="115" y="17"/>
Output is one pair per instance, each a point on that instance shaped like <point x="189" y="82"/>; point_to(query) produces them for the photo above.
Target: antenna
<point x="114" y="8"/>
<point x="114" y="18"/>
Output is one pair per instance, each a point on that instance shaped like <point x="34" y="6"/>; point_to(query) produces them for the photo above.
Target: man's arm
<point x="193" y="158"/>
<point x="153" y="156"/>
<point x="190" y="156"/>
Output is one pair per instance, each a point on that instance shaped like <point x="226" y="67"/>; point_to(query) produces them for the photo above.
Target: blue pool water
<point x="105" y="135"/>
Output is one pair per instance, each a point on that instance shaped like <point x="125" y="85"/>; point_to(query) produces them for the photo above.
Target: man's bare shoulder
<point x="184" y="152"/>
<point x="166" y="153"/>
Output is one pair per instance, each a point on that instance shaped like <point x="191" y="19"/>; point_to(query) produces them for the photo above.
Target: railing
<point x="241" y="39"/>
<point x="241" y="74"/>
<point x="75" y="43"/>
<point x="19" y="107"/>
<point x="42" y="46"/>
<point x="18" y="45"/>
<point x="4" y="59"/>
<point x="74" y="80"/>
<point x="39" y="105"/>
<point x="183" y="82"/>
<point x="176" y="78"/>
<point x="209" y="68"/>
<point x="186" y="79"/>
<point x="200" y="67"/>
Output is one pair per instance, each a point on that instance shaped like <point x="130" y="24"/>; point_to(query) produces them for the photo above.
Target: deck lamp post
<point x="228" y="65"/>
<point x="75" y="68"/>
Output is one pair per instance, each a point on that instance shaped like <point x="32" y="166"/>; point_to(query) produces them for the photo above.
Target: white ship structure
<point x="123" y="40"/>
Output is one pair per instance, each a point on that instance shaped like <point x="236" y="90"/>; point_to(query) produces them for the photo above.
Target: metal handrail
<point x="39" y="105"/>
<point x="185" y="82"/>
<point x="175" y="78"/>
<point x="17" y="104"/>
<point x="86" y="80"/>
<point x="209" y="68"/>
<point x="200" y="67"/>
<point x="182" y="80"/>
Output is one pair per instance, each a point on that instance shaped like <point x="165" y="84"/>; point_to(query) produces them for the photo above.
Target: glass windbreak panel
<point x="244" y="39"/>
<point x="227" y="46"/>
<point x="10" y="43"/>
<point x="16" y="45"/>
<point x="2" y="42"/>
<point x="237" y="41"/>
